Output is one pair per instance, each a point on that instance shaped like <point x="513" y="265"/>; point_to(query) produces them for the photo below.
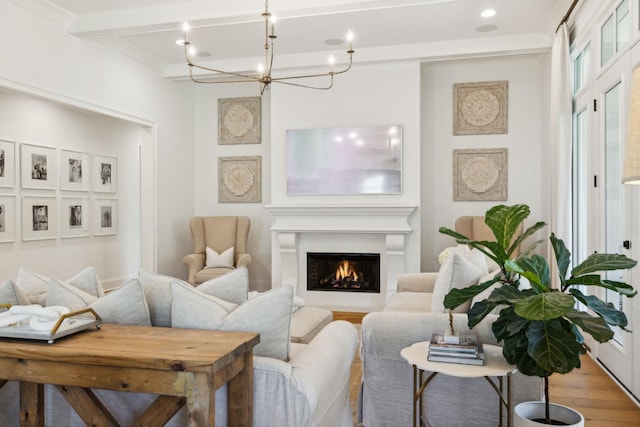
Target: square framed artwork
<point x="39" y="217"/>
<point x="75" y="170"/>
<point x="480" y="174"/>
<point x="7" y="163"/>
<point x="38" y="167"/>
<point x="105" y="214"/>
<point x="74" y="217"/>
<point x="240" y="179"/>
<point x="480" y="108"/>
<point x="7" y="218"/>
<point x="105" y="174"/>
<point x="239" y="120"/>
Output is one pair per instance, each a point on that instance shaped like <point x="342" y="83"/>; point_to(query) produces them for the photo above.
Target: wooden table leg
<point x="31" y="405"/>
<point x="240" y="406"/>
<point x="201" y="400"/>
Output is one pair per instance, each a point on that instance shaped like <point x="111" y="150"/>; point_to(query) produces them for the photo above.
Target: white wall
<point x="528" y="86"/>
<point x="207" y="152"/>
<point x="40" y="58"/>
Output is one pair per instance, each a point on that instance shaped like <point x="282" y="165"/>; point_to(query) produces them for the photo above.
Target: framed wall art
<point x="239" y="120"/>
<point x="480" y="108"/>
<point x="7" y="163"/>
<point x="480" y="174"/>
<point x="75" y="170"/>
<point x="74" y="217"/>
<point x="239" y="179"/>
<point x="7" y="218"/>
<point x="105" y="174"/>
<point x="38" y="167"/>
<point x="39" y="217"/>
<point x="105" y="215"/>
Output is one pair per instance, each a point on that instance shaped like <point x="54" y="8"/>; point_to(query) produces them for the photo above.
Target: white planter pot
<point x="524" y="412"/>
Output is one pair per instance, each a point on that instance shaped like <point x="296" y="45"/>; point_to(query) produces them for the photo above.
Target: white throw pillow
<point x="214" y="259"/>
<point x="11" y="294"/>
<point x="35" y="285"/>
<point x="157" y="292"/>
<point x="268" y="314"/>
<point x="456" y="272"/>
<point x="232" y="286"/>
<point x="125" y="305"/>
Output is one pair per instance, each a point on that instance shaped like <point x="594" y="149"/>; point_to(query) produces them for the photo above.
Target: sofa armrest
<point x="242" y="259"/>
<point x="417" y="282"/>
<point x="195" y="262"/>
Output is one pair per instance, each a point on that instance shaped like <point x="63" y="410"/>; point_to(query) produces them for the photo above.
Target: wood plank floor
<point x="589" y="390"/>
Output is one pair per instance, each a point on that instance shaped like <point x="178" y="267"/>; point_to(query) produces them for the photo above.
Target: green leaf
<point x="603" y="262"/>
<point x="479" y="311"/>
<point x="456" y="296"/>
<point x="546" y="306"/>
<point x="505" y="220"/>
<point x="606" y="310"/>
<point x="553" y="347"/>
<point x="563" y="257"/>
<point x="509" y="324"/>
<point x="460" y="238"/>
<point x="524" y="236"/>
<point x="622" y="288"/>
<point x="596" y="280"/>
<point x="539" y="266"/>
<point x="593" y="325"/>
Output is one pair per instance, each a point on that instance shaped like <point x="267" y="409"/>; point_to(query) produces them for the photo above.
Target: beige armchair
<point x="218" y="233"/>
<point x="475" y="228"/>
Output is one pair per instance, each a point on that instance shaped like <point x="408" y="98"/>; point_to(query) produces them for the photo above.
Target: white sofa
<point x="385" y="397"/>
<point x="311" y="388"/>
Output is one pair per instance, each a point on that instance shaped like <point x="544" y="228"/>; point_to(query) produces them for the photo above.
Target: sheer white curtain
<point x="560" y="221"/>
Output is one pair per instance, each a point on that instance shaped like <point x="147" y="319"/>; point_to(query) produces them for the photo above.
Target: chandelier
<point x="263" y="74"/>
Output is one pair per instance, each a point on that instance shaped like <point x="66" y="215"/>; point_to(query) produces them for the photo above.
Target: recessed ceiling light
<point x="488" y="13"/>
<point x="486" y="28"/>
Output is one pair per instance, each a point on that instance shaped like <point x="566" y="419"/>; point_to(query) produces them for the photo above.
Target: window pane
<point x="586" y="64"/>
<point x="577" y="73"/>
<point x="580" y="188"/>
<point x="623" y="27"/>
<point x="608" y="40"/>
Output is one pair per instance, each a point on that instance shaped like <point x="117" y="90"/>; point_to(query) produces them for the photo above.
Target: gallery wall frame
<point x="240" y="179"/>
<point x="480" y="174"/>
<point x="481" y="108"/>
<point x="39" y="217"/>
<point x="105" y="214"/>
<point x="105" y="173"/>
<point x="7" y="218"/>
<point x="74" y="217"/>
<point x="240" y="120"/>
<point x="38" y="167"/>
<point x="7" y="163"/>
<point x="75" y="170"/>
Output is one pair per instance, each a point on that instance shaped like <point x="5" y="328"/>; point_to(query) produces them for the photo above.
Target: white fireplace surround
<point x="298" y="229"/>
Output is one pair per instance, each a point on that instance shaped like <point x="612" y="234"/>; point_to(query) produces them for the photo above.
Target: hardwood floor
<point x="589" y="390"/>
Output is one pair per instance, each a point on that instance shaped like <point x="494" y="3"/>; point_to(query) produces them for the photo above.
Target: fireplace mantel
<point x="294" y="226"/>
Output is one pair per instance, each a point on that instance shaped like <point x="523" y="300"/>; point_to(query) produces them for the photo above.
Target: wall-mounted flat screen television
<point x="350" y="160"/>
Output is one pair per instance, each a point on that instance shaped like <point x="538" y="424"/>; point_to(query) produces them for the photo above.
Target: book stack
<point x="467" y="352"/>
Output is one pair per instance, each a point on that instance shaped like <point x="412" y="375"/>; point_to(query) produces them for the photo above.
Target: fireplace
<point x="346" y="272"/>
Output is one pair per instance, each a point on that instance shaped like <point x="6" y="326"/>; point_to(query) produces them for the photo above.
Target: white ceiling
<point x="233" y="30"/>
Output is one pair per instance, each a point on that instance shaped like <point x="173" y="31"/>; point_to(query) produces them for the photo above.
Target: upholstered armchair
<point x="215" y="236"/>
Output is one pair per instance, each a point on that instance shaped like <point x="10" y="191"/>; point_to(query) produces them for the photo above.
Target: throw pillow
<point x="268" y="314"/>
<point x="11" y="294"/>
<point x="214" y="259"/>
<point x="232" y="286"/>
<point x="35" y="285"/>
<point x="157" y="292"/>
<point x="125" y="305"/>
<point x="456" y="272"/>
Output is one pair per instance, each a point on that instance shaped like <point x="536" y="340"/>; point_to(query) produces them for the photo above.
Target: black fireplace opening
<point x="351" y="272"/>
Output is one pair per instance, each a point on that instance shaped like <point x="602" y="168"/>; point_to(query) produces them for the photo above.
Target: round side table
<point x="495" y="365"/>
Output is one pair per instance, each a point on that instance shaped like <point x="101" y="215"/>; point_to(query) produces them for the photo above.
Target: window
<point x="615" y="32"/>
<point x="581" y="64"/>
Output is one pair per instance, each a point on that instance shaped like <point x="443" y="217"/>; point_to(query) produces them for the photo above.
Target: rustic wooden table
<point x="181" y="365"/>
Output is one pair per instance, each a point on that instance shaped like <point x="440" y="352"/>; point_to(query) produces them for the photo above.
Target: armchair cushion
<point x="214" y="259"/>
<point x="456" y="272"/>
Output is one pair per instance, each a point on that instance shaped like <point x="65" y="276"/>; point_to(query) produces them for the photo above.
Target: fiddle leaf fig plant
<point x="540" y="326"/>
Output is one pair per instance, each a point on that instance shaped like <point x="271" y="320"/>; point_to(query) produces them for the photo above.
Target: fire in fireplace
<point x="352" y="272"/>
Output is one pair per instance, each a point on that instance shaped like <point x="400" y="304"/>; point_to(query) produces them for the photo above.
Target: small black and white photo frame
<point x="7" y="163"/>
<point x="39" y="218"/>
<point x="7" y="218"/>
<point x="105" y="174"/>
<point x="38" y="167"/>
<point x="74" y="217"/>
<point x="75" y="170"/>
<point x="105" y="213"/>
